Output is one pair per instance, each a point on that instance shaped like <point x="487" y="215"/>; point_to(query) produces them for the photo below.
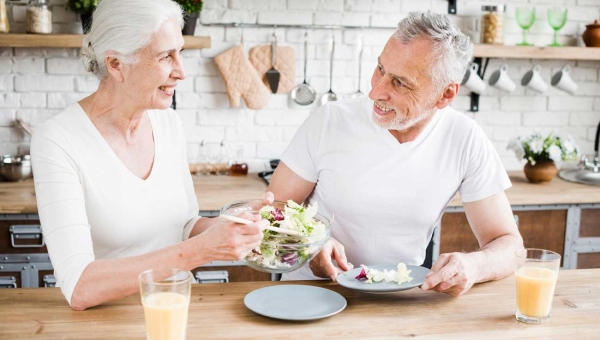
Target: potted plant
<point x="192" y="9"/>
<point x="84" y="8"/>
<point x="543" y="154"/>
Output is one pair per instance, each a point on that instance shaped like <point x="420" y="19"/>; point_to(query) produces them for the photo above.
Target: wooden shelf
<point x="535" y="52"/>
<point x="75" y="40"/>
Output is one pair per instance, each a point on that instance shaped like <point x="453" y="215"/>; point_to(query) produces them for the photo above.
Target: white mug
<point x="472" y="81"/>
<point x="501" y="80"/>
<point x="533" y="80"/>
<point x="563" y="81"/>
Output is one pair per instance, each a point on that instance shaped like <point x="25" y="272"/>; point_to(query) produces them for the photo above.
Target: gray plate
<point x="348" y="280"/>
<point x="295" y="302"/>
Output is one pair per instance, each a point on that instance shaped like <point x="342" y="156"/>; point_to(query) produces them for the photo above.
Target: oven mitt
<point x="242" y="79"/>
<point x="285" y="63"/>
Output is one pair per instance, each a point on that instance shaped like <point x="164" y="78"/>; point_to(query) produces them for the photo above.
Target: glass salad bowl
<point x="279" y="252"/>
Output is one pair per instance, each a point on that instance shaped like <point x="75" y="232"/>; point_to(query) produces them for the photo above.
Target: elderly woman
<point x="114" y="193"/>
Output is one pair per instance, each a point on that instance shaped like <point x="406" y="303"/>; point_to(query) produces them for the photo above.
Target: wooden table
<point x="217" y="311"/>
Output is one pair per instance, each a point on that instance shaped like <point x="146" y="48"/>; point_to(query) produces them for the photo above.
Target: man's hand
<point x="322" y="265"/>
<point x="453" y="274"/>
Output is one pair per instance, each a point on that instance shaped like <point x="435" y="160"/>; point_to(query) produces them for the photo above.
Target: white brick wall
<point x="36" y="83"/>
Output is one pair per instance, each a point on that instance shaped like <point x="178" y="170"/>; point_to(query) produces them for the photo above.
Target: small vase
<point x="190" y="23"/>
<point x="86" y="22"/>
<point x="541" y="172"/>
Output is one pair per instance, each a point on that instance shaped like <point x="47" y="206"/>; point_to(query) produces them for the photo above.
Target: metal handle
<point x="49" y="281"/>
<point x="331" y="50"/>
<point x="360" y="53"/>
<point x="8" y="282"/>
<point x="26" y="232"/>
<point x="273" y="47"/>
<point x="305" y="54"/>
<point x="215" y="276"/>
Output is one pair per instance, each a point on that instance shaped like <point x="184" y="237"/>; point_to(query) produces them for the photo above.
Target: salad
<point x="279" y="250"/>
<point x="401" y="275"/>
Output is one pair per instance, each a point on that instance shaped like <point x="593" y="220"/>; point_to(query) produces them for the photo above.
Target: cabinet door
<point x="238" y="273"/>
<point x="543" y="229"/>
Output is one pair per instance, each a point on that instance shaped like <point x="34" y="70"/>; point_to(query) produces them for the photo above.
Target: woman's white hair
<point x="124" y="27"/>
<point x="452" y="49"/>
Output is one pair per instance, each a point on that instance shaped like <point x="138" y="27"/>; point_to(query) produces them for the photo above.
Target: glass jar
<point x="38" y="17"/>
<point x="4" y="26"/>
<point x="492" y="24"/>
<point x="239" y="167"/>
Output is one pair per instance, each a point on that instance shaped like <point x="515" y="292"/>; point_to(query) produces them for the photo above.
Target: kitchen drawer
<point x="590" y="223"/>
<point x="236" y="271"/>
<point x="21" y="237"/>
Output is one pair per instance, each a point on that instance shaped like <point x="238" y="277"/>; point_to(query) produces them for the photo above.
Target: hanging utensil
<point x="24" y="126"/>
<point x="330" y="96"/>
<point x="272" y="74"/>
<point x="304" y="94"/>
<point x="358" y="93"/>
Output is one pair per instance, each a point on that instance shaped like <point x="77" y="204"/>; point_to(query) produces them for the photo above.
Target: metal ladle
<point x="304" y="94"/>
<point x="330" y="96"/>
<point x="358" y="93"/>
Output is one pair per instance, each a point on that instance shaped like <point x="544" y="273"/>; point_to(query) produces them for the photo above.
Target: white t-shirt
<point x="388" y="196"/>
<point x="92" y="207"/>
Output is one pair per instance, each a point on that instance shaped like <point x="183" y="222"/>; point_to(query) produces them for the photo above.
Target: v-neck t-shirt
<point x="386" y="196"/>
<point x="91" y="206"/>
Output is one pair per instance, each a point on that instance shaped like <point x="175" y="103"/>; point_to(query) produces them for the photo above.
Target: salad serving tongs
<point x="245" y="221"/>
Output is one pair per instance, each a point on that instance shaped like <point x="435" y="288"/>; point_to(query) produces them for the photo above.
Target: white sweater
<point x="92" y="207"/>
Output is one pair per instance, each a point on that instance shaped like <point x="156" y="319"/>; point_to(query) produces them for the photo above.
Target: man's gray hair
<point x="452" y="49"/>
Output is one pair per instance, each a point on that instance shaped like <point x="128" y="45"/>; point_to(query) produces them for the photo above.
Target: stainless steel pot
<point x="15" y="168"/>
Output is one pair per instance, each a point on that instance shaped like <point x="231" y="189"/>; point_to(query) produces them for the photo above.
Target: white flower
<point x="536" y="145"/>
<point x="555" y="153"/>
<point x="568" y="146"/>
<point x="516" y="146"/>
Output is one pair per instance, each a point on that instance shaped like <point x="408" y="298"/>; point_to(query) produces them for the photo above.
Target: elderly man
<point x="388" y="165"/>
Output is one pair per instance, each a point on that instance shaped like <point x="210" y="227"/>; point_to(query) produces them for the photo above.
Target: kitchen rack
<point x="75" y="40"/>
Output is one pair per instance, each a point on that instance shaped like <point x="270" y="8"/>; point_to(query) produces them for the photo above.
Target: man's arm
<point x="494" y="226"/>
<point x="287" y="185"/>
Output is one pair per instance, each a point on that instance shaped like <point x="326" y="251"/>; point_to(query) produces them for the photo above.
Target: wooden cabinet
<point x="23" y="254"/>
<point x="543" y="229"/>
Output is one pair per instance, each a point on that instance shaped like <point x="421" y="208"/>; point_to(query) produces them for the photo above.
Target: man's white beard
<point x="397" y="123"/>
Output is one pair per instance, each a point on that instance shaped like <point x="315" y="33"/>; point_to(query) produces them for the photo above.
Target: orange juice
<point x="166" y="315"/>
<point x="535" y="289"/>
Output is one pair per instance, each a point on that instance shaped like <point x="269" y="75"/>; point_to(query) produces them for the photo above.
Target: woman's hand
<point x="230" y="241"/>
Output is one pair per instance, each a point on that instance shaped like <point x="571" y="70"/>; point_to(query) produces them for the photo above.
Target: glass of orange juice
<point x="536" y="273"/>
<point x="166" y="298"/>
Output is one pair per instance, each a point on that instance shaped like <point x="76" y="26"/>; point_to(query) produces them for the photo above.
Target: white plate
<point x="295" y="302"/>
<point x="348" y="279"/>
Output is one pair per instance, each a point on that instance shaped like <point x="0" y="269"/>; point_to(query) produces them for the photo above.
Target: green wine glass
<point x="525" y="19"/>
<point x="557" y="18"/>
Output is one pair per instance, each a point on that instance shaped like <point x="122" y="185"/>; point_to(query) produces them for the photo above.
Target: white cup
<point x="563" y="81"/>
<point x="472" y="81"/>
<point x="501" y="80"/>
<point x="533" y="80"/>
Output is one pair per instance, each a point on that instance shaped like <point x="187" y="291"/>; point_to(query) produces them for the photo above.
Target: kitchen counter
<point x="212" y="191"/>
<point x="558" y="191"/>
<point x="217" y="311"/>
<point x="215" y="191"/>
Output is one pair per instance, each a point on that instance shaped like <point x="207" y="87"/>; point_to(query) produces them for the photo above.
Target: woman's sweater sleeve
<point x="61" y="206"/>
